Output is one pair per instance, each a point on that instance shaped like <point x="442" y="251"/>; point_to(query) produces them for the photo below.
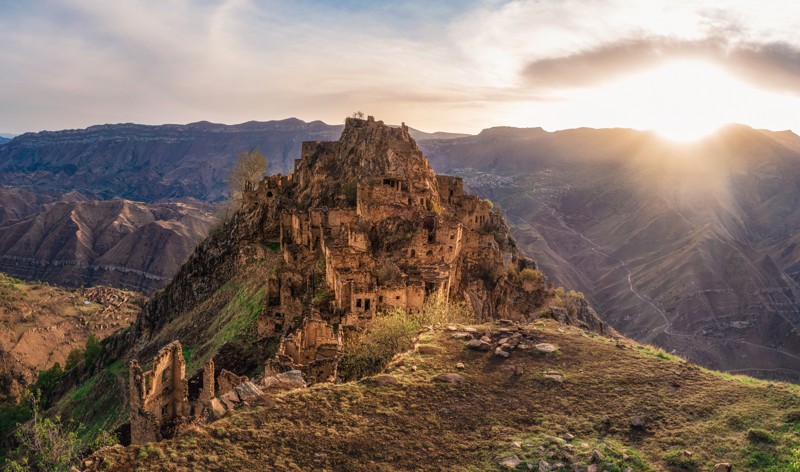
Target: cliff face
<point x="362" y="225"/>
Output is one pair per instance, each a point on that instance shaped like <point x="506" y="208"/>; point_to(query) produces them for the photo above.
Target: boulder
<point x="478" y="345"/>
<point x="511" y="462"/>
<point x="500" y="352"/>
<point x="723" y="467"/>
<point x="546" y="347"/>
<point x="248" y="391"/>
<point x="217" y="409"/>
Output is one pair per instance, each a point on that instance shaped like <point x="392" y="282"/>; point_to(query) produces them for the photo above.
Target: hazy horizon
<point x="682" y="69"/>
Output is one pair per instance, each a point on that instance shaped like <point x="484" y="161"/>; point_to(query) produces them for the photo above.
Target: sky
<point x="682" y="68"/>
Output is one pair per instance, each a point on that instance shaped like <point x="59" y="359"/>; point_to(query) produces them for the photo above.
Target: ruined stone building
<point x="362" y="226"/>
<point x="158" y="397"/>
<point x="365" y="225"/>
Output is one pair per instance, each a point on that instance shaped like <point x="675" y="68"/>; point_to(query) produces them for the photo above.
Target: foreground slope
<point x="690" y="246"/>
<point x="639" y="407"/>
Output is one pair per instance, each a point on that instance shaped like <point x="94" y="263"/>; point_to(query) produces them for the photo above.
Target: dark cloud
<point x="773" y="65"/>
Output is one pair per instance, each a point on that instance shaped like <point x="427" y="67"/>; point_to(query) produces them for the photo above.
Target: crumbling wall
<point x="158" y="397"/>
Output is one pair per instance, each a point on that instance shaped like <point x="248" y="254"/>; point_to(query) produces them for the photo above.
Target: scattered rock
<point x="546" y="347"/>
<point x="638" y="422"/>
<point x="511" y="462"/>
<point x="500" y="352"/>
<point x="248" y="391"/>
<point x="723" y="467"/>
<point x="597" y="456"/>
<point x="517" y="444"/>
<point x="462" y="336"/>
<point x="285" y="380"/>
<point x="553" y="375"/>
<point x="568" y="437"/>
<point x="593" y="468"/>
<point x="217" y="409"/>
<point x="450" y="377"/>
<point x="452" y="328"/>
<point x="544" y="466"/>
<point x="460" y="366"/>
<point x="486" y="339"/>
<point x="478" y="345"/>
<point x="470" y="330"/>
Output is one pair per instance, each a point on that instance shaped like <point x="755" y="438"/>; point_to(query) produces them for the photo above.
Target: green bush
<point x="93" y="351"/>
<point x="45" y="444"/>
<point x="74" y="358"/>
<point x="46" y="382"/>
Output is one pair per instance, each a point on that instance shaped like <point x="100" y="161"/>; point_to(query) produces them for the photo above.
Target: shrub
<point x="74" y="358"/>
<point x="46" y="382"/>
<point x="93" y="351"/>
<point x="390" y="333"/>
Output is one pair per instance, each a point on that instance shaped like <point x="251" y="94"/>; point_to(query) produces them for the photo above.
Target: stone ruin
<point x="159" y="398"/>
<point x="364" y="225"/>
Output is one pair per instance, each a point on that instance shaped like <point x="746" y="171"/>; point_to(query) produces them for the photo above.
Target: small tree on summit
<point x="246" y="172"/>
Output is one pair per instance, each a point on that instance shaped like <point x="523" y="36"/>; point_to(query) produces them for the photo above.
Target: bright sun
<point x="681" y="100"/>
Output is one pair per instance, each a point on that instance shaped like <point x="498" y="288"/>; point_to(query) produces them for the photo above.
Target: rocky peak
<point x="328" y="173"/>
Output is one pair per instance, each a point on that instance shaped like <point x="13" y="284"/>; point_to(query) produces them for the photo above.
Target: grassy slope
<point x="225" y="320"/>
<point x="418" y="423"/>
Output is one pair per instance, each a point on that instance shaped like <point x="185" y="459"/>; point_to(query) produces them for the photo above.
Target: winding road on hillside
<point x="666" y="328"/>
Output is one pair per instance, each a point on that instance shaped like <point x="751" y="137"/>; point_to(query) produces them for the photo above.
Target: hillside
<point x="304" y="267"/>
<point x="150" y="163"/>
<point x="70" y="241"/>
<point x="41" y="324"/>
<point x="638" y="407"/>
<point x="689" y="246"/>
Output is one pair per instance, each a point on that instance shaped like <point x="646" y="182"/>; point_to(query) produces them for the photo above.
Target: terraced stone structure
<point x="365" y="225"/>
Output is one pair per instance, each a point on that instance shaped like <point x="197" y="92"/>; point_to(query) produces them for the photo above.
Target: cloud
<point x="772" y="65"/>
<point x="456" y="64"/>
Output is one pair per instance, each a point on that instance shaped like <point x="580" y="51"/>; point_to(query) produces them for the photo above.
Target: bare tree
<point x="250" y="166"/>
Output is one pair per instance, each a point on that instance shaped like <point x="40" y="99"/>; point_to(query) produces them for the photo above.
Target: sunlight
<point x="681" y="100"/>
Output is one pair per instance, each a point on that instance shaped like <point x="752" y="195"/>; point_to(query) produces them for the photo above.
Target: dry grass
<point x="694" y="418"/>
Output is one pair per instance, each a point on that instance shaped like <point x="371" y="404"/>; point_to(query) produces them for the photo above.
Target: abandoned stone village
<point x="363" y="226"/>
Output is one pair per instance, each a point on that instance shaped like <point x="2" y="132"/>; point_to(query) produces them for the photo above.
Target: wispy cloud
<point x="452" y="65"/>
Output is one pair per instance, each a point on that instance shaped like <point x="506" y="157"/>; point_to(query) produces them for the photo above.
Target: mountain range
<point x="690" y="246"/>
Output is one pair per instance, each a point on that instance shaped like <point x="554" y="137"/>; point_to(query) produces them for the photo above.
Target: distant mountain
<point x="74" y="242"/>
<point x="4" y="140"/>
<point x="151" y="163"/>
<point x="692" y="247"/>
